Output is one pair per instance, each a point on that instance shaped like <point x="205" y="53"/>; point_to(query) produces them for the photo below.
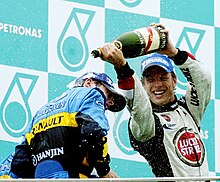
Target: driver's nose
<point x="110" y="102"/>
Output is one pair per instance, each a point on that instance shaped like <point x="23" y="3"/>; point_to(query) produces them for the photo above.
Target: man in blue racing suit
<point x="67" y="137"/>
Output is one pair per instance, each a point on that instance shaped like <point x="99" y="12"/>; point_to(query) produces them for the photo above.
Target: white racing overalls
<point x="168" y="137"/>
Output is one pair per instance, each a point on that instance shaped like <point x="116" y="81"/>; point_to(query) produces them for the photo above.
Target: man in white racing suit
<point x="164" y="129"/>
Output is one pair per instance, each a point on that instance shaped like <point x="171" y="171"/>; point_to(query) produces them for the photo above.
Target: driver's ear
<point x="142" y="80"/>
<point x="174" y="82"/>
<point x="88" y="82"/>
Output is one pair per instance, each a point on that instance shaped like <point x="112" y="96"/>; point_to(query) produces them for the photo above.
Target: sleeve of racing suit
<point x="18" y="164"/>
<point x="100" y="155"/>
<point x="198" y="91"/>
<point x="94" y="127"/>
<point x="93" y="105"/>
<point x="142" y="123"/>
<point x="21" y="164"/>
<point x="5" y="168"/>
<point x="97" y="148"/>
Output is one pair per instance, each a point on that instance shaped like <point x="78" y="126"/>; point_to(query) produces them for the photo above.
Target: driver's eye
<point x="150" y="79"/>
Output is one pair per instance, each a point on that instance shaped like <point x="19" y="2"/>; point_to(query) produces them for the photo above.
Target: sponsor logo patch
<point x="189" y="147"/>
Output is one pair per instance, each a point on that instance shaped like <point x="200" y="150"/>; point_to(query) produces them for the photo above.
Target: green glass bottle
<point x="139" y="42"/>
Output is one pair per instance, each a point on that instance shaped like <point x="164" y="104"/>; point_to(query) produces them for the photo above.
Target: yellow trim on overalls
<point x="60" y="119"/>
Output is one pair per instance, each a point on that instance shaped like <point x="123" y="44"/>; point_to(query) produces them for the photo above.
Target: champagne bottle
<point x="139" y="42"/>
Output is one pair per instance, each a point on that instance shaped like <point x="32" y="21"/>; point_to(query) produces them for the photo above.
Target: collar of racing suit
<point x="167" y="107"/>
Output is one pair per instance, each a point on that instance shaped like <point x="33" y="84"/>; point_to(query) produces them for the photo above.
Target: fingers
<point x="108" y="50"/>
<point x="164" y="30"/>
<point x="158" y="25"/>
<point x="153" y="24"/>
<point x="112" y="54"/>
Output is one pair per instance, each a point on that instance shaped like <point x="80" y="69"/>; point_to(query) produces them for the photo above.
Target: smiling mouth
<point x="159" y="92"/>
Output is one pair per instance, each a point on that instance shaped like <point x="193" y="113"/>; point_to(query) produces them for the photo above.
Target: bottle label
<point x="163" y="37"/>
<point x="155" y="40"/>
<point x="118" y="44"/>
<point x="142" y="41"/>
<point x="151" y="39"/>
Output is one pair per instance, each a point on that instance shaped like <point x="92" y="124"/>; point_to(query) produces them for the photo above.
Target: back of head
<point x="119" y="99"/>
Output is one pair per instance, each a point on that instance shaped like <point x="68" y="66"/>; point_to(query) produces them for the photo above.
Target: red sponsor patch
<point x="189" y="147"/>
